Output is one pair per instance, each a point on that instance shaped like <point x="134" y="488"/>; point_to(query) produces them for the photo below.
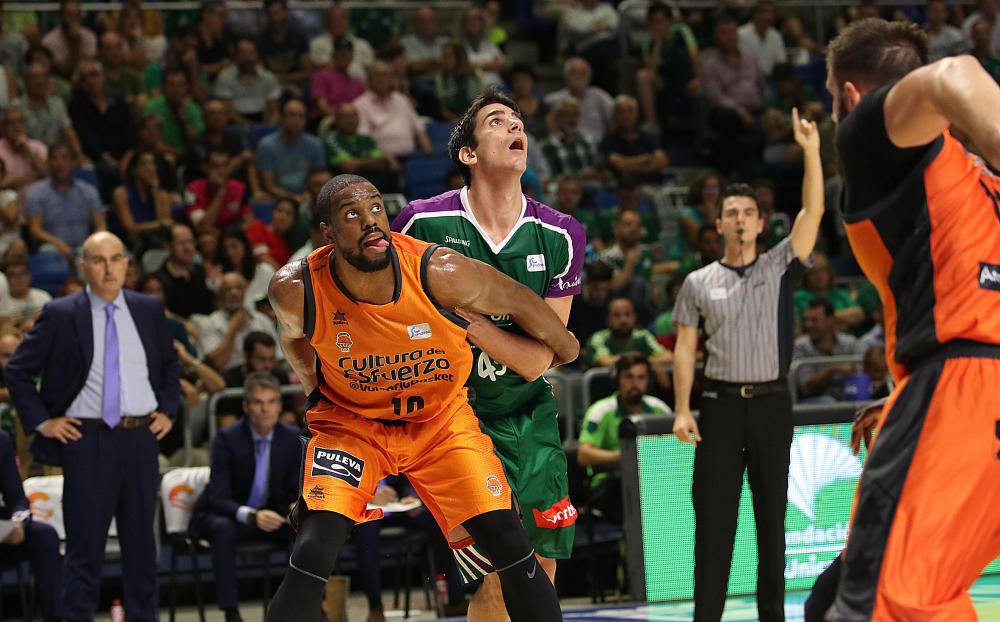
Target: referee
<point x="745" y="302"/>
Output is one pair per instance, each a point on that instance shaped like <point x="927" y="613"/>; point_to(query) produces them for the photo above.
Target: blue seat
<point x="605" y="199"/>
<point x="48" y="271"/>
<point x="440" y="133"/>
<point x="263" y="211"/>
<point x="259" y="132"/>
<point x="426" y="176"/>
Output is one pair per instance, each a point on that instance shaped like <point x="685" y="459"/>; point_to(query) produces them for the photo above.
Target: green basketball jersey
<point x="544" y="250"/>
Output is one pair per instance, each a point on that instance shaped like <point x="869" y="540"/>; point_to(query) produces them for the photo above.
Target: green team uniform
<point x="601" y="423"/>
<point x="545" y="251"/>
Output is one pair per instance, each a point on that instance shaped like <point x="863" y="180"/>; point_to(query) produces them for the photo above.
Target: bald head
<point x="104" y="264"/>
<point x="102" y="241"/>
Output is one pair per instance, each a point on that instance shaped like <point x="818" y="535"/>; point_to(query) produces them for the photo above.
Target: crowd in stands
<point x="202" y="137"/>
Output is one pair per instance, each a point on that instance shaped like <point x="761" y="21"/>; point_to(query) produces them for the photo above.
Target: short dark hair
<point x="657" y="7"/>
<point x="822" y="303"/>
<point x="629" y="360"/>
<point x="173" y="227"/>
<point x="738" y="189"/>
<point x="171" y="70"/>
<point x="597" y="271"/>
<point x="324" y="200"/>
<point x="522" y="69"/>
<point x="702" y="230"/>
<point x="874" y="52"/>
<point x="256" y="338"/>
<point x="260" y="380"/>
<point x="464" y="134"/>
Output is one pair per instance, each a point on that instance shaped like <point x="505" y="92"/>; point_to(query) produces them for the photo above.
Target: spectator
<point x="760" y="41"/>
<point x="457" y="83"/>
<point x="198" y="382"/>
<point x="141" y="205"/>
<point x="347" y="151"/>
<point x="789" y="93"/>
<point x="943" y="38"/>
<point x="331" y="85"/>
<point x="632" y="259"/>
<point x="569" y="197"/>
<point x="283" y="48"/>
<point x="223" y="331"/>
<point x="268" y="241"/>
<point x="70" y="41"/>
<point x="220" y="136"/>
<point x="183" y="55"/>
<point x="183" y="279"/>
<point x="629" y="150"/>
<point x="63" y="211"/>
<point x="670" y="62"/>
<point x="702" y="209"/>
<point x="589" y="29"/>
<point x="594" y="102"/>
<point x="121" y="81"/>
<point x="524" y="92"/>
<point x="818" y="382"/>
<point x="422" y="48"/>
<point x="149" y="137"/>
<point x="99" y="119"/>
<point x="13" y="46"/>
<point x="875" y="367"/>
<point x="389" y="116"/>
<point x="124" y="354"/>
<point x="10" y="220"/>
<point x="286" y="157"/>
<point x="606" y="346"/>
<point x="252" y="90"/>
<point x="252" y="487"/>
<point x="141" y="32"/>
<point x="48" y="121"/>
<point x="58" y="86"/>
<point x="709" y="250"/>
<point x="25" y="160"/>
<point x="986" y="11"/>
<point x="818" y="283"/>
<point x="982" y="48"/>
<point x="21" y="301"/>
<point x="8" y="86"/>
<point x="316" y="240"/>
<point x="260" y="355"/>
<point x="663" y="326"/>
<point x="338" y="25"/>
<point x="213" y="46"/>
<point x="589" y="312"/>
<point x="182" y="118"/>
<point x="235" y="254"/>
<point x="568" y="149"/>
<point x="30" y="540"/>
<point x="180" y="329"/>
<point x="600" y="450"/>
<point x="801" y="47"/>
<point x="483" y="54"/>
<point x="630" y="196"/>
<point x="217" y="201"/>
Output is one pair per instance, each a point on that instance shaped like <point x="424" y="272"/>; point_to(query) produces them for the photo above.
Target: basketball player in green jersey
<point x="491" y="220"/>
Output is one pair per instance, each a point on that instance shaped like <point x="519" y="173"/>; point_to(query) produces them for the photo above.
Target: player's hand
<point x="160" y="425"/>
<point x="385" y="495"/>
<point x="269" y="521"/>
<point x="63" y="429"/>
<point x="686" y="428"/>
<point x="865" y="421"/>
<point x="806" y="133"/>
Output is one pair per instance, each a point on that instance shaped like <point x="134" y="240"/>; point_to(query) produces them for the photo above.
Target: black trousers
<point x="110" y="474"/>
<point x="41" y="547"/>
<point x="740" y="434"/>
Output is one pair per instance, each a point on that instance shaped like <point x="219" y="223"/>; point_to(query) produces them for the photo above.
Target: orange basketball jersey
<point x="407" y="359"/>
<point x="932" y="250"/>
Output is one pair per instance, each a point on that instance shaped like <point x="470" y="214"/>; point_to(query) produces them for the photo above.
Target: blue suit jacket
<point x="60" y="349"/>
<point x="10" y="480"/>
<point x="233" y="465"/>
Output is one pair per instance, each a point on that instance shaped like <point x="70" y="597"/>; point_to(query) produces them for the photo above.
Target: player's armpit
<point x="287" y="294"/>
<point x="457" y="281"/>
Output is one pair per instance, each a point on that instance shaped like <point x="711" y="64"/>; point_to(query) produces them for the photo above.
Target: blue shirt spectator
<point x="63" y="211"/>
<point x="286" y="157"/>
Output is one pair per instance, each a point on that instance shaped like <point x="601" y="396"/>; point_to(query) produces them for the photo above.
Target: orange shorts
<point x="448" y="460"/>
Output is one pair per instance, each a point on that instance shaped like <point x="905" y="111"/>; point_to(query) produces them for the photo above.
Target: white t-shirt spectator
<point x="949" y="42"/>
<point x="392" y="121"/>
<point x="595" y="109"/>
<point x="321" y="53"/>
<point x="248" y="96"/>
<point x="483" y="54"/>
<point x="768" y="51"/>
<point x="994" y="36"/>
<point x="213" y="329"/>
<point x="583" y="27"/>
<point x="20" y="309"/>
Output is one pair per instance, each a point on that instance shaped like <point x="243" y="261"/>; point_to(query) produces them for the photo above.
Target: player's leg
<point x="932" y="476"/>
<point x="487" y="604"/>
<point x="824" y="590"/>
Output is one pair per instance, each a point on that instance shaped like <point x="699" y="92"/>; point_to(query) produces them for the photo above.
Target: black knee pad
<point x="321" y="534"/>
<point x="499" y="536"/>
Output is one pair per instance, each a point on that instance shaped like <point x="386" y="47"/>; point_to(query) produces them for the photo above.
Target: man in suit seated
<point x="254" y="482"/>
<point x="29" y="540"/>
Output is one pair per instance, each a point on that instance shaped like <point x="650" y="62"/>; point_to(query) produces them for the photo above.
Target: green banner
<point x="822" y="477"/>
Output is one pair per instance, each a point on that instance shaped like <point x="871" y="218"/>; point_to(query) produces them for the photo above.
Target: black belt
<point x="957" y="349"/>
<point x="748" y="390"/>
<point x="126" y="423"/>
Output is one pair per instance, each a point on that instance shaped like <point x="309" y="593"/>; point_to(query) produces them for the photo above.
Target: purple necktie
<point x="112" y="410"/>
<point x="258" y="491"/>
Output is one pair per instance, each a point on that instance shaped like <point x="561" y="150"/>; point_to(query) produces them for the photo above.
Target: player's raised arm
<point x="287" y="294"/>
<point x="459" y="282"/>
<point x="953" y="91"/>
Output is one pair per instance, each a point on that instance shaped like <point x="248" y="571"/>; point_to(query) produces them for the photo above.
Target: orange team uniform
<point x="393" y="399"/>
<point x="924" y="224"/>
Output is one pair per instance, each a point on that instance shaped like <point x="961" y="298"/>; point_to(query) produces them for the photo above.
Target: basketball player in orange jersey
<point x="371" y="324"/>
<point x="923" y="218"/>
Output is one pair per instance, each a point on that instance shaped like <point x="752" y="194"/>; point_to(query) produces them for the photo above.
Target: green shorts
<point x="529" y="447"/>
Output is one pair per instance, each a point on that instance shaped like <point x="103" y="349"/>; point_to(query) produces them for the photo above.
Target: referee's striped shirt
<point x="748" y="314"/>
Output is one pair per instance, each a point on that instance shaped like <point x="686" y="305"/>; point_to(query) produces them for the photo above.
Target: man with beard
<point x="923" y="220"/>
<point x="252" y="90"/>
<point x="600" y="449"/>
<point x="372" y="324"/>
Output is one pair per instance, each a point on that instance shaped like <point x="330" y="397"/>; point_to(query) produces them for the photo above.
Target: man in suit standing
<point x="28" y="540"/>
<point x="109" y="385"/>
<point x="254" y="482"/>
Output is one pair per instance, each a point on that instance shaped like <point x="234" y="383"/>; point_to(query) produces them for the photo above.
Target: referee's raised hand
<point x="686" y="428"/>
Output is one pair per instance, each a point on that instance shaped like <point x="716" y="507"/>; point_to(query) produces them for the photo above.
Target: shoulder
<point x="655" y="404"/>
<point x="447" y="204"/>
<point x="144" y="301"/>
<point x="803" y="345"/>
<point x="600" y="408"/>
<point x="551" y="218"/>
<point x="287" y="284"/>
<point x="64" y="307"/>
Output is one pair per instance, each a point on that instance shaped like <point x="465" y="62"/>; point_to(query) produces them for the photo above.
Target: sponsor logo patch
<point x="339" y="317"/>
<point x="561" y="514"/>
<point x="344" y="342"/>
<point x="536" y="263"/>
<point x="419" y="331"/>
<point x="337" y="464"/>
<point x="316" y="493"/>
<point x="493" y="485"/>
<point x="989" y="276"/>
